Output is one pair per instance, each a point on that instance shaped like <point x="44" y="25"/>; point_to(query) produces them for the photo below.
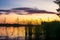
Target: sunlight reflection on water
<point x="12" y="32"/>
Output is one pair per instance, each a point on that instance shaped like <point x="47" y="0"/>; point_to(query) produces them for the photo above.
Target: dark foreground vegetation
<point x="52" y="30"/>
<point x="44" y="31"/>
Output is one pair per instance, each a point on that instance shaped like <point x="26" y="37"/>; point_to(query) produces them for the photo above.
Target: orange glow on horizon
<point x="33" y="18"/>
<point x="24" y="19"/>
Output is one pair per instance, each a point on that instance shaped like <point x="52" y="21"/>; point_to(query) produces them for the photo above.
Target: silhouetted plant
<point x="25" y="32"/>
<point x="52" y="30"/>
<point x="37" y="33"/>
<point x="28" y="31"/>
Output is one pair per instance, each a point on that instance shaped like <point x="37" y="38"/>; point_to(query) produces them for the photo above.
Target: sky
<point x="48" y="5"/>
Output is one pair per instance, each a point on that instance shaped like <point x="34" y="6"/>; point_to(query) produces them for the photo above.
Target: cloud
<point x="41" y="4"/>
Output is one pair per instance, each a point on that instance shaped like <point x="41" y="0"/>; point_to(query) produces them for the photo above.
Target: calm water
<point x="14" y="33"/>
<point x="22" y="33"/>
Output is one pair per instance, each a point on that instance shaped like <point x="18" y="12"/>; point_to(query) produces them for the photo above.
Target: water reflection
<point x="12" y="32"/>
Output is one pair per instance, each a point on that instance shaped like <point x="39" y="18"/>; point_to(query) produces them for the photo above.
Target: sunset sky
<point x="48" y="5"/>
<point x="25" y="19"/>
<point x="35" y="18"/>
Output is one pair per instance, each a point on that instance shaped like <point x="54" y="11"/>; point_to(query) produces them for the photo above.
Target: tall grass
<point x="45" y="31"/>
